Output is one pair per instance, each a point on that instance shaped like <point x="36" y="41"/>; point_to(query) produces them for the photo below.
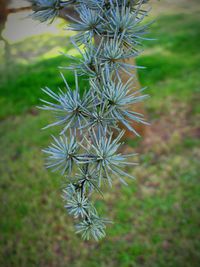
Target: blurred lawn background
<point x="157" y="220"/>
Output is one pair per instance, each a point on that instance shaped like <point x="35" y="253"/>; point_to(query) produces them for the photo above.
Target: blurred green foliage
<point x="157" y="215"/>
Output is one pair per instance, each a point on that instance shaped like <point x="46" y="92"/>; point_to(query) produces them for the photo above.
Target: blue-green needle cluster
<point x="109" y="32"/>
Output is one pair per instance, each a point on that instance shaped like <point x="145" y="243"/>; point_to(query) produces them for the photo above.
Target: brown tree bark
<point x="3" y="18"/>
<point x="138" y="107"/>
<point x="3" y="15"/>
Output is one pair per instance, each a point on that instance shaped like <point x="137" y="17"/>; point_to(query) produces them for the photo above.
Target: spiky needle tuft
<point x="109" y="31"/>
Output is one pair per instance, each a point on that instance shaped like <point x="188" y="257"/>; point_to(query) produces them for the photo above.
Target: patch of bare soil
<point x="170" y="129"/>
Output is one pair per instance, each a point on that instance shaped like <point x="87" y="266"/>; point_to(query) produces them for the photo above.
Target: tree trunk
<point x="138" y="107"/>
<point x="69" y="11"/>
<point x="3" y="18"/>
<point x="3" y="15"/>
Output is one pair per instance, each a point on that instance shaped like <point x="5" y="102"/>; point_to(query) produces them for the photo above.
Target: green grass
<point x="157" y="216"/>
<point x="23" y="78"/>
